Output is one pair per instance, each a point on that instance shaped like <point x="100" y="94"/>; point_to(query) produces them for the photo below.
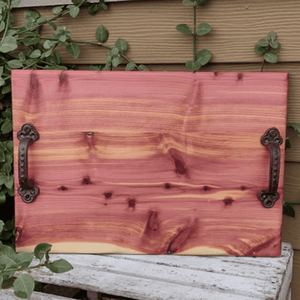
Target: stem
<point x="7" y="22"/>
<point x="88" y="43"/>
<point x="194" y="33"/>
<point x="25" y="269"/>
<point x="262" y="66"/>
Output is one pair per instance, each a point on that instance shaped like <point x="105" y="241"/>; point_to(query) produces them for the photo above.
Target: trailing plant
<point x="203" y="56"/>
<point x="268" y="47"/>
<point x="12" y="262"/>
<point x="24" y="47"/>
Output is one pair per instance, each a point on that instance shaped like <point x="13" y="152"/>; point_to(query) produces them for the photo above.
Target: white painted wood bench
<point x="150" y="277"/>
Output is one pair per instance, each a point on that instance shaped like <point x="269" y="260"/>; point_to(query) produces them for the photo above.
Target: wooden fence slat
<point x="149" y="27"/>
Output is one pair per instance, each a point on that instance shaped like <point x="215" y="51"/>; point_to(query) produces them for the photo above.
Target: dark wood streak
<point x="152" y="223"/>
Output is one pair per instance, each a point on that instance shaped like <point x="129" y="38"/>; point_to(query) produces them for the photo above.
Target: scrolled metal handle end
<point x="29" y="195"/>
<point x="268" y="199"/>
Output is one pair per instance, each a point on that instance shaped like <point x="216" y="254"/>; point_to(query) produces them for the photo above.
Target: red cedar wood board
<point x="149" y="162"/>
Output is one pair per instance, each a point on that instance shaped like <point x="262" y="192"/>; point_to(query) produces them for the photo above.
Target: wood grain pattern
<point x="149" y="27"/>
<point x="293" y="112"/>
<point x="150" y="162"/>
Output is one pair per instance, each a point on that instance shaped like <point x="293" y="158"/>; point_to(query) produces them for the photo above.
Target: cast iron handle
<point x="271" y="139"/>
<point x="27" y="190"/>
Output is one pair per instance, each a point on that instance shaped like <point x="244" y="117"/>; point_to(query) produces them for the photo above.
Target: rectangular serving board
<point x="149" y="162"/>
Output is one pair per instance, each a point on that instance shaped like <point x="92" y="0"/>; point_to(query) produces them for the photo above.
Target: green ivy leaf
<point x="9" y="44"/>
<point x="15" y="3"/>
<point x="9" y="181"/>
<point x="276" y="50"/>
<point x="48" y="44"/>
<point x="274" y="44"/>
<point x="272" y="36"/>
<point x="95" y="68"/>
<point x="58" y="9"/>
<point x="1" y="228"/>
<point x="57" y="57"/>
<point x="203" y="29"/>
<point x="24" y="259"/>
<point x="31" y="41"/>
<point x="3" y="4"/>
<point x="2" y="156"/>
<point x="183" y="28"/>
<point x="121" y="45"/>
<point x="2" y="178"/>
<point x="288" y="209"/>
<point x="130" y="66"/>
<point x="62" y="38"/>
<point x="53" y="25"/>
<point x="8" y="252"/>
<point x="271" y="57"/>
<point x="74" y="11"/>
<point x="6" y="126"/>
<point x="59" y="266"/>
<point x="1" y="70"/>
<point x="259" y="50"/>
<point x="6" y="89"/>
<point x="24" y="286"/>
<point x="73" y="49"/>
<point x="35" y="54"/>
<point x="193" y="65"/>
<point x="115" y="51"/>
<point x="203" y="56"/>
<point x="296" y="126"/>
<point x="6" y="168"/>
<point x="2" y="26"/>
<point x="15" y="64"/>
<point x="41" y="20"/>
<point x="11" y="192"/>
<point x="8" y="158"/>
<point x="263" y="42"/>
<point x="31" y="15"/>
<point x="101" y="34"/>
<point x="2" y="82"/>
<point x="22" y="56"/>
<point x="143" y="68"/>
<point x="41" y="249"/>
<point x="108" y="56"/>
<point x="116" y="61"/>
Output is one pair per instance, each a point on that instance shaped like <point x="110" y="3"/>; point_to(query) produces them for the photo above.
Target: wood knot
<point x="131" y="202"/>
<point x="86" y="180"/>
<point x="62" y="188"/>
<point x="240" y="76"/>
<point x="228" y="201"/>
<point x="107" y="195"/>
<point x="167" y="186"/>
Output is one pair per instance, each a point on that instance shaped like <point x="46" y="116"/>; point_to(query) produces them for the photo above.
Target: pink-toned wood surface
<point x="149" y="162"/>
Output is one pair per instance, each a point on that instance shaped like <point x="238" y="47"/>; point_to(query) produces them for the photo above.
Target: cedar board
<point x="149" y="162"/>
